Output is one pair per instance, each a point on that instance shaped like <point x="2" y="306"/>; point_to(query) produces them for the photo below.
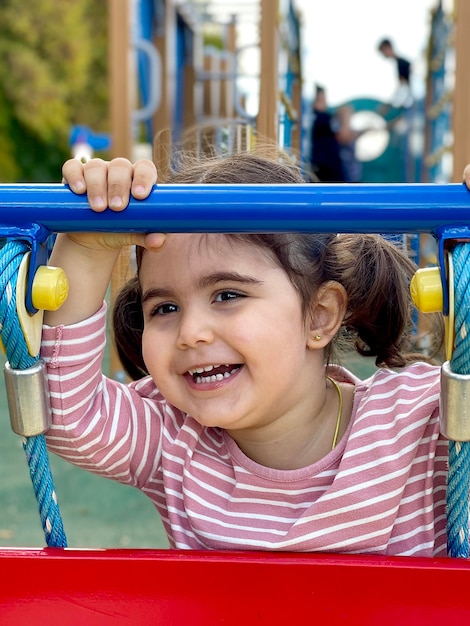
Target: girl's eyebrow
<point x="157" y="292"/>
<point x="205" y="281"/>
<point x="227" y="277"/>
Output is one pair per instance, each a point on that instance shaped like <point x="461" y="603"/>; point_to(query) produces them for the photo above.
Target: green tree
<point x="52" y="75"/>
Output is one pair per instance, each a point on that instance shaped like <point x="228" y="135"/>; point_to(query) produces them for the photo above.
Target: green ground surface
<point x="97" y="513"/>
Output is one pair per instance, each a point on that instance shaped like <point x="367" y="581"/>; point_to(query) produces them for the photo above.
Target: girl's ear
<point x="327" y="312"/>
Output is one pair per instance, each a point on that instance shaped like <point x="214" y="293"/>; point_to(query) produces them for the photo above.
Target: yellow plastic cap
<point x="50" y="288"/>
<point x="426" y="290"/>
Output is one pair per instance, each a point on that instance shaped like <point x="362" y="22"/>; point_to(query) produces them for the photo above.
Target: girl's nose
<point x="195" y="328"/>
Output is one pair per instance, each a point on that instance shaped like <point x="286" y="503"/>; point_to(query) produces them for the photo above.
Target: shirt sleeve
<point x="99" y="424"/>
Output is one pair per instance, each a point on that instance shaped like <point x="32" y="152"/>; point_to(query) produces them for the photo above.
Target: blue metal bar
<point x="384" y="208"/>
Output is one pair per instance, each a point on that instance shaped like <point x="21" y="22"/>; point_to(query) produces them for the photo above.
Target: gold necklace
<point x="340" y="411"/>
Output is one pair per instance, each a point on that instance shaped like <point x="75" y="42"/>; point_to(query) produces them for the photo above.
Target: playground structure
<point x="161" y="587"/>
<point x="174" y="587"/>
<point x="439" y="94"/>
<point x="191" y="70"/>
<point x="236" y="68"/>
<point x="419" y="142"/>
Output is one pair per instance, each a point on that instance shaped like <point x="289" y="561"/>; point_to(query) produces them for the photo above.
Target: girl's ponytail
<point x="376" y="275"/>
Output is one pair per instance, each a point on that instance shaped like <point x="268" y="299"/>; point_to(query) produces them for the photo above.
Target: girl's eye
<point x="224" y="296"/>
<point x="165" y="309"/>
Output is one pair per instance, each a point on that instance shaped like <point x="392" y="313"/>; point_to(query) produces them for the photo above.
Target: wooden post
<point x="189" y="106"/>
<point x="119" y="76"/>
<point x="121" y="129"/>
<point x="461" y="108"/>
<point x="211" y="83"/>
<point x="165" y="42"/>
<point x="297" y="104"/>
<point x="267" y="123"/>
<point x="228" y="65"/>
<point x="297" y="67"/>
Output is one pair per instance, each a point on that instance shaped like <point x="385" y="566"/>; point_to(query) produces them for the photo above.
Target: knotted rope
<point x="18" y="356"/>
<point x="458" y="481"/>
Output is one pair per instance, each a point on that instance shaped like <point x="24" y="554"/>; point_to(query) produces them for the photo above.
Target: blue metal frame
<point x="33" y="212"/>
<point x="357" y="208"/>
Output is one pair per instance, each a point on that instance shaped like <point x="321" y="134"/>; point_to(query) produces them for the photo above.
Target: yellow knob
<point x="426" y="290"/>
<point x="50" y="288"/>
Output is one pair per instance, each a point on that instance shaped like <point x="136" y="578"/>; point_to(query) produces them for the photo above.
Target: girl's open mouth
<point x="213" y="373"/>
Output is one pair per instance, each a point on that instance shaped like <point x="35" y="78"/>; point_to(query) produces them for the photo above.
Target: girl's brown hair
<point x="374" y="272"/>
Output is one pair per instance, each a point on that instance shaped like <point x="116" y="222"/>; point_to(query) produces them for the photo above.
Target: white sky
<point x="340" y="45"/>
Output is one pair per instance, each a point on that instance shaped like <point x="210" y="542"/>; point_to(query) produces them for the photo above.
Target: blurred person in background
<point x="402" y="97"/>
<point x="325" y="158"/>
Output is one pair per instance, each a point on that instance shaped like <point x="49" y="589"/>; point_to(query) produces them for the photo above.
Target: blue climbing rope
<point x="18" y="356"/>
<point x="458" y="481"/>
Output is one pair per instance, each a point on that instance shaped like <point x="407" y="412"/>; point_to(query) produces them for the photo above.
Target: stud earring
<point x="317" y="337"/>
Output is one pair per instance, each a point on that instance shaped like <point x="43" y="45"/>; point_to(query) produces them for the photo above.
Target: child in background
<point x="239" y="426"/>
<point x="403" y="96"/>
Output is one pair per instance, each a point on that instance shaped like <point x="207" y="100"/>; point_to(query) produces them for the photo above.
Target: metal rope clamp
<point x="28" y="399"/>
<point x="27" y="389"/>
<point x="428" y="295"/>
<point x="454" y="410"/>
<point x="455" y="404"/>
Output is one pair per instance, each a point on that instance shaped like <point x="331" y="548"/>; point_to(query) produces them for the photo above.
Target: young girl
<point x="237" y="425"/>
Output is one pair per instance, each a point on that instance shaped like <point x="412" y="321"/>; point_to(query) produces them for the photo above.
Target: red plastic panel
<point x="173" y="588"/>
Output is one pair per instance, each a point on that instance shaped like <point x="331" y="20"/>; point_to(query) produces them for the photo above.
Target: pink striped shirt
<point x="381" y="490"/>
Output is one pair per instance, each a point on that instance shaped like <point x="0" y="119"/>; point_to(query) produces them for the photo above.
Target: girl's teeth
<point x="208" y="368"/>
<point x="214" y="378"/>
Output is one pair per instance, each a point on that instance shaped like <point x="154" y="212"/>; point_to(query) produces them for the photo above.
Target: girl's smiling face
<point x="225" y="337"/>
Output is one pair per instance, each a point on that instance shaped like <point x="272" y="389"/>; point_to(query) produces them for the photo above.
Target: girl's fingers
<point x="153" y="241"/>
<point x="115" y="241"/>
<point x="96" y="179"/>
<point x="120" y="173"/>
<point x="110" y="183"/>
<point x="72" y="175"/>
<point x="145" y="177"/>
